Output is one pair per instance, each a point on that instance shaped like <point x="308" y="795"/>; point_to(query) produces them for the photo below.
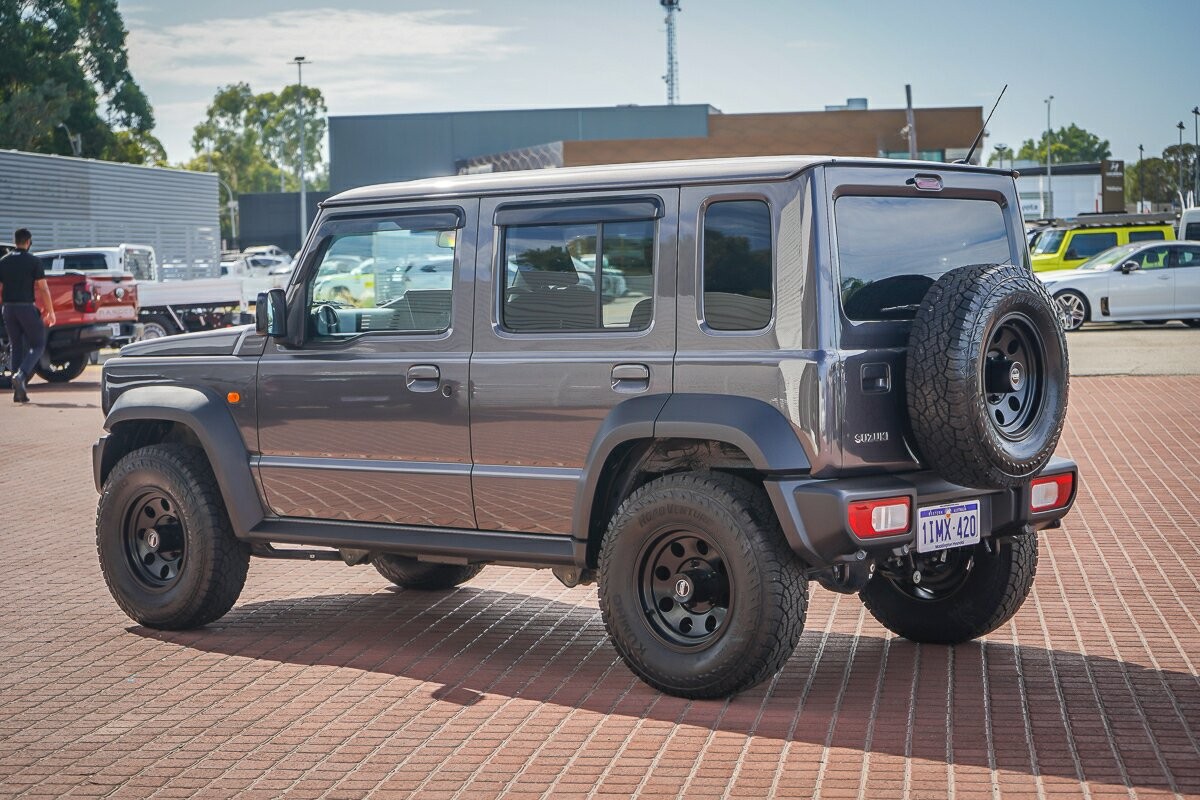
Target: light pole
<point x="1141" y="182"/>
<point x="232" y="205"/>
<point x="1180" y="126"/>
<point x="300" y="61"/>
<point x="1000" y="148"/>
<point x="1196" y="156"/>
<point x="76" y="140"/>
<point x="1048" y="206"/>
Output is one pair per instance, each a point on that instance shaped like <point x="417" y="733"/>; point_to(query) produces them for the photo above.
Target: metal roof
<point x="621" y="176"/>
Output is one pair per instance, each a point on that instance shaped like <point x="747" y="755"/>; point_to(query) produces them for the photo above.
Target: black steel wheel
<point x="166" y="547"/>
<point x="986" y="376"/>
<point x="154" y="539"/>
<point x="955" y="595"/>
<point x="685" y="588"/>
<point x="698" y="588"/>
<point x="61" y="371"/>
<point x="1073" y="309"/>
<point x="1014" y="375"/>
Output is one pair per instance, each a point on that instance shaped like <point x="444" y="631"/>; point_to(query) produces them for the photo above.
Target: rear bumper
<point x="66" y="342"/>
<point x="813" y="513"/>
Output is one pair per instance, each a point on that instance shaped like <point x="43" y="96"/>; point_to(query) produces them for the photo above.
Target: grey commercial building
<point x="77" y="202"/>
<point x="399" y="147"/>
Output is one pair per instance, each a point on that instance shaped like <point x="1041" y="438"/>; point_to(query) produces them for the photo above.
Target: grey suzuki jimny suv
<point x="700" y="384"/>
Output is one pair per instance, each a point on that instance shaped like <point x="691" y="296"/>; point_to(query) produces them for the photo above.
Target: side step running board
<point x="462" y="545"/>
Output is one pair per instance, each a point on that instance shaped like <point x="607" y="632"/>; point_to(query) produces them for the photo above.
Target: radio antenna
<point x="982" y="130"/>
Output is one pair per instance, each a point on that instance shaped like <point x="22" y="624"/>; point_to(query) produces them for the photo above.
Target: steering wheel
<point x="328" y="316"/>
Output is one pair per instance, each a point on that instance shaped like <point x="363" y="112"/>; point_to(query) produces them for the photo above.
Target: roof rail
<point x="1097" y="219"/>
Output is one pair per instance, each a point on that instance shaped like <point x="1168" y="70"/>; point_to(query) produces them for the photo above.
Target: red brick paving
<point x="325" y="682"/>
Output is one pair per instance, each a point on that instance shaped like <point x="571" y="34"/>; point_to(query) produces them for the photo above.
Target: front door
<point x="1147" y="292"/>
<point x="365" y="417"/>
<point x="574" y="315"/>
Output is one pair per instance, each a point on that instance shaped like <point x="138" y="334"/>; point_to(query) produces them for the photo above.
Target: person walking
<point x="22" y="285"/>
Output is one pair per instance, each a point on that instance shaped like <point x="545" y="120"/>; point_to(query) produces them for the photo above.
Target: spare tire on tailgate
<point x="987" y="376"/>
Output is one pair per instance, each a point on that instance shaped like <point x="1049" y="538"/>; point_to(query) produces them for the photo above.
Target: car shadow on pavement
<point x="1011" y="706"/>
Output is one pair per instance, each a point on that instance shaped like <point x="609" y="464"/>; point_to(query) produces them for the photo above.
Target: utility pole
<point x="1048" y="206"/>
<point x="1181" y="128"/>
<point x="1196" y="156"/>
<point x="672" y="76"/>
<point x="1141" y="181"/>
<point x="300" y="61"/>
<point x="912" y="123"/>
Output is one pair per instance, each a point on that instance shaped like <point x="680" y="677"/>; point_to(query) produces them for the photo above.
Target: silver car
<point x="1146" y="281"/>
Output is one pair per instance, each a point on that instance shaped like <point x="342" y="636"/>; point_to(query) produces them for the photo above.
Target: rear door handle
<point x="424" y="378"/>
<point x="630" y="378"/>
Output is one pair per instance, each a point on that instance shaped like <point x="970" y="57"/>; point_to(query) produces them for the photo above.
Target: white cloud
<point x="363" y="61"/>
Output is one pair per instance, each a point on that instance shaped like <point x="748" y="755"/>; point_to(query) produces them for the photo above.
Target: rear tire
<point x="166" y="546"/>
<point x="409" y="573"/>
<point x="976" y="594"/>
<point x="63" y="371"/>
<point x="699" y="591"/>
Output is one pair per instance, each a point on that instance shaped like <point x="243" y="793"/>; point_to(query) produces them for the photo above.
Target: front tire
<point x="409" y="573"/>
<point x="166" y="546"/>
<point x="63" y="371"/>
<point x="964" y="592"/>
<point x="1072" y="309"/>
<point x="699" y="591"/>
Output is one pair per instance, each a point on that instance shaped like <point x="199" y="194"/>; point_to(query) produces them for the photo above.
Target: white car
<point x="1145" y="281"/>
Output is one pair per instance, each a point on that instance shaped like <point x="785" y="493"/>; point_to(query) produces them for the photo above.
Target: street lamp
<point x="232" y="205"/>
<point x="1196" y="156"/>
<point x="1048" y="206"/>
<point x="1141" y="181"/>
<point x="1000" y="148"/>
<point x="76" y="140"/>
<point x="300" y="61"/>
<point x="1180" y="126"/>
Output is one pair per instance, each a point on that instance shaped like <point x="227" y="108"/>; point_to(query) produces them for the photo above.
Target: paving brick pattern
<point x="325" y="682"/>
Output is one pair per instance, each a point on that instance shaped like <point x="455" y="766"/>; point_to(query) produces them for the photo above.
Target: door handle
<point x="423" y="378"/>
<point x="630" y="378"/>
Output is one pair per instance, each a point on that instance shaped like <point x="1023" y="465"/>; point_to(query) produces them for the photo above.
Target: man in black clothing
<point x="22" y="283"/>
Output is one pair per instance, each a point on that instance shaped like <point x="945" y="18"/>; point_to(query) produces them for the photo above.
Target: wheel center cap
<point x="683" y="590"/>
<point x="152" y="539"/>
<point x="1016" y="375"/>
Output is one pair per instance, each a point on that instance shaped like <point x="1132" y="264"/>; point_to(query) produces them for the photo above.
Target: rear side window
<point x="1192" y="231"/>
<point x="738" y="286"/>
<point x="892" y="249"/>
<point x="1086" y="245"/>
<point x="1146" y="236"/>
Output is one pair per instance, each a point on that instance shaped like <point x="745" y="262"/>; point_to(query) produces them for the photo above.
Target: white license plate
<point x="946" y="526"/>
<point x="116" y="328"/>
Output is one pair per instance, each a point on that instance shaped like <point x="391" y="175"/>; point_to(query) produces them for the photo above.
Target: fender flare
<point x="206" y="416"/>
<point x="758" y="429"/>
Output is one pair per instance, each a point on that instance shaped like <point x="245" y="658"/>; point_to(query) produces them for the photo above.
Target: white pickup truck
<point x="173" y="298"/>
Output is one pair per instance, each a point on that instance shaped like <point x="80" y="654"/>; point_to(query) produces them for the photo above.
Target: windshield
<point x="1109" y="258"/>
<point x="1049" y="242"/>
<point x="892" y="249"/>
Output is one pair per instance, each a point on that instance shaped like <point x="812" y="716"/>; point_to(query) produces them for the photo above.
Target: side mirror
<point x="270" y="313"/>
<point x="1130" y="266"/>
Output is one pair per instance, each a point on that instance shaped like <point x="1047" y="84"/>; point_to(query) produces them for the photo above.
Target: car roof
<point x="619" y="176"/>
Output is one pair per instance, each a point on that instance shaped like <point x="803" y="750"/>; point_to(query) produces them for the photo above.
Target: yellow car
<point x="1069" y="243"/>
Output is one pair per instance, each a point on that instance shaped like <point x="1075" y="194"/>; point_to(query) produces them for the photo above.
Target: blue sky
<point x="1125" y="71"/>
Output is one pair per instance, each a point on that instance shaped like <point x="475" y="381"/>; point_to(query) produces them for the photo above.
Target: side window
<point x="738" y="286"/>
<point x="1192" y="231"/>
<point x="578" y="277"/>
<point x="1186" y="257"/>
<point x="1086" y="245"/>
<point x="1153" y="258"/>
<point x="383" y="276"/>
<point x="1146" y="236"/>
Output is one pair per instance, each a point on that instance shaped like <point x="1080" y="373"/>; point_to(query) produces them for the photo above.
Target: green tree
<point x="281" y="131"/>
<point x="1069" y="145"/>
<point x="1152" y="180"/>
<point x="1181" y="160"/>
<point x="64" y="66"/>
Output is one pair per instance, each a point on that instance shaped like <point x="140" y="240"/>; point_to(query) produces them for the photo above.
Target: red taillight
<point x="886" y="517"/>
<point x="1051" y="492"/>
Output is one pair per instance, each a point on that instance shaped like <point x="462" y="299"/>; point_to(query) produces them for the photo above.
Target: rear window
<point x="892" y="249"/>
<point x="85" y="262"/>
<point x="1192" y="231"/>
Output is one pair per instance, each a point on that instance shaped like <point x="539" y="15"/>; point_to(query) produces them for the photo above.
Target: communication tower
<point x="672" y="76"/>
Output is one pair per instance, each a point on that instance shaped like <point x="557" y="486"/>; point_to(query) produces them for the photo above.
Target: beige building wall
<point x="844" y="133"/>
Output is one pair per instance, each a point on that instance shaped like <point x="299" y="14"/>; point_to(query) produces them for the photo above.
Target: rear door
<point x="573" y="315"/>
<point x="1143" y="293"/>
<point x="1185" y="265"/>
